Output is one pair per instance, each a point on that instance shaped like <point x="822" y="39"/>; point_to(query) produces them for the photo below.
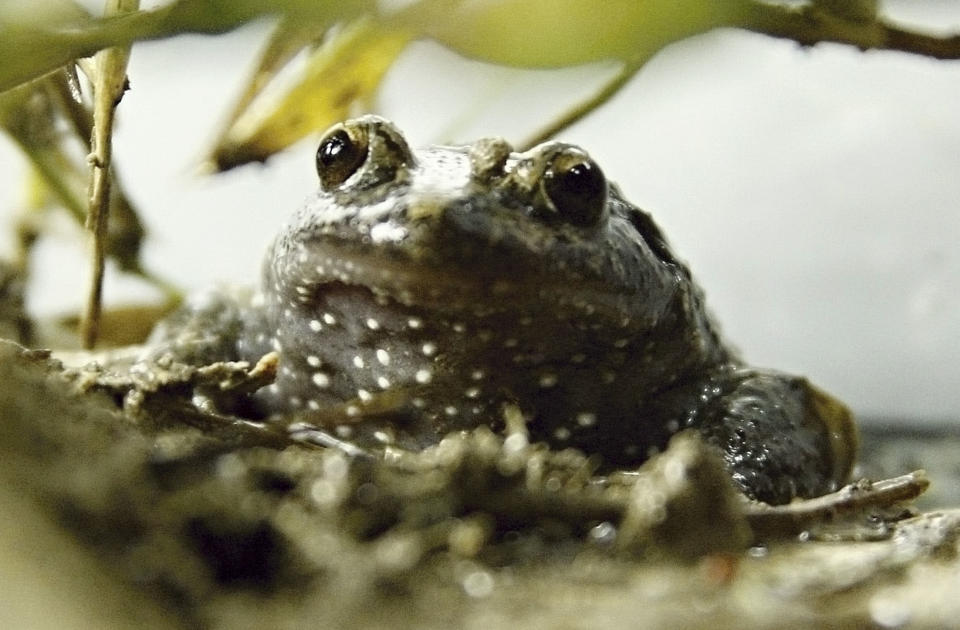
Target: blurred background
<point x="814" y="192"/>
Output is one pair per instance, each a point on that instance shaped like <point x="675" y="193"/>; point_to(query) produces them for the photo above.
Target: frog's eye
<point x="341" y="153"/>
<point x="576" y="187"/>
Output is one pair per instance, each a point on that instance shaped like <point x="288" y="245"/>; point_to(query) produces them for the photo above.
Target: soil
<point x="120" y="506"/>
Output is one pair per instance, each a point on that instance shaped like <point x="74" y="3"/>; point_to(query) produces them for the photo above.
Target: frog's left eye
<point x="576" y="187"/>
<point x="341" y="153"/>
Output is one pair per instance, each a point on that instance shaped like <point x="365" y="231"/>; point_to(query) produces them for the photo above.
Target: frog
<point x="421" y="292"/>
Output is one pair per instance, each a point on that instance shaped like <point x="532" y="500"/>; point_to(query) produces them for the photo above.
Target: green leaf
<point x="39" y="37"/>
<point x="551" y="33"/>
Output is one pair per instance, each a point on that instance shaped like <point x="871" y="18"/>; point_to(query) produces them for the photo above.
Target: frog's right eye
<point x="575" y="187"/>
<point x="340" y="154"/>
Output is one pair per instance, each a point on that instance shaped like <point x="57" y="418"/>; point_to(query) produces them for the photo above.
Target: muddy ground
<point x="119" y="507"/>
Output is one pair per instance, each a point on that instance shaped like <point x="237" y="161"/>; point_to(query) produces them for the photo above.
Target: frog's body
<point x="452" y="280"/>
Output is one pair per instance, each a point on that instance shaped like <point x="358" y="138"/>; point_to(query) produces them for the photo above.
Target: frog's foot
<point x="781" y="437"/>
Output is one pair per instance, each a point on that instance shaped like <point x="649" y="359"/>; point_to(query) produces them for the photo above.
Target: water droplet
<point x="758" y="551"/>
<point x="603" y="534"/>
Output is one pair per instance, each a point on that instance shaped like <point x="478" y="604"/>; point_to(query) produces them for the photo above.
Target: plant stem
<point x="110" y="83"/>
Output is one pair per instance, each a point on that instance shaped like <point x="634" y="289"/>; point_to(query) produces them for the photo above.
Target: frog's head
<point x="414" y="267"/>
<point x="470" y="229"/>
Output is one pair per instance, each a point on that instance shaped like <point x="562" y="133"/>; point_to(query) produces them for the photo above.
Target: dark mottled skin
<point x="417" y="292"/>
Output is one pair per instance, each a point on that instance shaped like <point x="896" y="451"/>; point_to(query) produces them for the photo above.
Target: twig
<point x="108" y="90"/>
<point x="811" y="24"/>
<point x="778" y="521"/>
<point x="766" y="522"/>
<point x="583" y="108"/>
<point x="807" y="25"/>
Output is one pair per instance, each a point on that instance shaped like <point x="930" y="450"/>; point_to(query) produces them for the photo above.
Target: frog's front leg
<point x="781" y="437"/>
<point x="216" y="325"/>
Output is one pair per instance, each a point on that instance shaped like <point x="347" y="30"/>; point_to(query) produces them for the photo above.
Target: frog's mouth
<point x="447" y="289"/>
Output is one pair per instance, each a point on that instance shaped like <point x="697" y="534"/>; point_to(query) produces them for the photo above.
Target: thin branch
<point x="807" y="25"/>
<point x="778" y="521"/>
<point x="583" y="108"/>
<point x="110" y="84"/>
<point x="811" y="24"/>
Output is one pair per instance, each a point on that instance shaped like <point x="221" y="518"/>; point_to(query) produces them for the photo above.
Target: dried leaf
<point x="345" y="70"/>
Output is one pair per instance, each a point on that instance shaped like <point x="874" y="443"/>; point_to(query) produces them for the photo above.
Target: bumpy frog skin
<point x="418" y="292"/>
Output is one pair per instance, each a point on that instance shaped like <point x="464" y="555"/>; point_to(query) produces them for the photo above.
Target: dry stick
<point x="767" y="522"/>
<point x="777" y="521"/>
<point x="810" y="25"/>
<point x="110" y="83"/>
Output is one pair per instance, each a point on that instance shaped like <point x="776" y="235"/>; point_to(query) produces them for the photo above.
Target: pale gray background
<point x="815" y="193"/>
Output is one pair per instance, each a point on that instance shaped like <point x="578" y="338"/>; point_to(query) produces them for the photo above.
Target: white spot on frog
<point x="586" y="419"/>
<point x="387" y="232"/>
